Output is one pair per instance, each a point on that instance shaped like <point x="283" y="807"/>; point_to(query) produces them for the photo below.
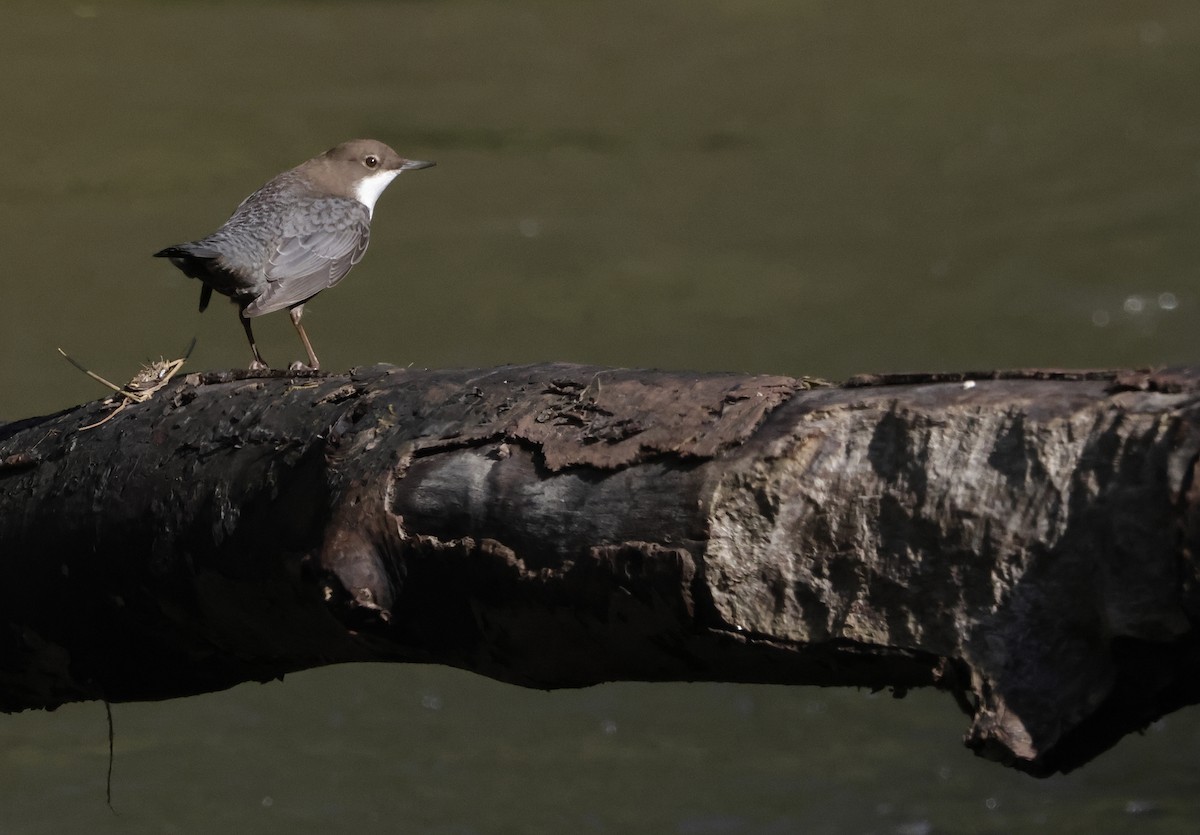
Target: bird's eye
<point x="371" y="161"/>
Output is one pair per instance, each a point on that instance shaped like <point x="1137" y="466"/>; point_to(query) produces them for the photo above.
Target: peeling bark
<point x="1024" y="541"/>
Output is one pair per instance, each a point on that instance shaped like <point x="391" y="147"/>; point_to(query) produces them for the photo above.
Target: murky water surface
<point x="800" y="187"/>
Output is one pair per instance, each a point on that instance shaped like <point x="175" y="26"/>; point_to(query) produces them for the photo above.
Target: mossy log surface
<point x="1026" y="541"/>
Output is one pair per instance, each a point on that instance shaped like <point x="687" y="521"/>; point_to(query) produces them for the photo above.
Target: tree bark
<point x="1025" y="541"/>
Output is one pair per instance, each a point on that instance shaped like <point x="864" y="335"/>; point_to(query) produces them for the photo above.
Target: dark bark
<point x="1024" y="541"/>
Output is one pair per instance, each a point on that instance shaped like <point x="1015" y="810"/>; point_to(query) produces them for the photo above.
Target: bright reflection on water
<point x="1144" y="313"/>
<point x="802" y="187"/>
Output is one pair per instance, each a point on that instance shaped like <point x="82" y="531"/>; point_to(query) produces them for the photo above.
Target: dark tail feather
<point x="190" y="250"/>
<point x="193" y="260"/>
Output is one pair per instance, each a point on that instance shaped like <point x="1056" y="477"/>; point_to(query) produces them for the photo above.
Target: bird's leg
<point x="259" y="363"/>
<point x="313" y="363"/>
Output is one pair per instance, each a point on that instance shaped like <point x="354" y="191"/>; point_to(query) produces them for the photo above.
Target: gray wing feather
<point x="310" y="261"/>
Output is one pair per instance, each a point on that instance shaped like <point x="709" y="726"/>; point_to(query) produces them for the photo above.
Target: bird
<point x="299" y="234"/>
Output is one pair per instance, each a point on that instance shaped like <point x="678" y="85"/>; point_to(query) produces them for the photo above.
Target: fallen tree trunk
<point x="1025" y="541"/>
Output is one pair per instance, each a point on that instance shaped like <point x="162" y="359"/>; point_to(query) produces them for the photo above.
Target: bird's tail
<point x="192" y="260"/>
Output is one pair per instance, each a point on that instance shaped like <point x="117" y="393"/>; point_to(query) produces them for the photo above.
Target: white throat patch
<point x="370" y="187"/>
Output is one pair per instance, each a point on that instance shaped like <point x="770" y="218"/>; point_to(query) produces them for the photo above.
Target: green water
<point x="800" y="187"/>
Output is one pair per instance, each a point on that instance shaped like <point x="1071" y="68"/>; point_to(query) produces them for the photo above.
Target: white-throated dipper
<point x="294" y="237"/>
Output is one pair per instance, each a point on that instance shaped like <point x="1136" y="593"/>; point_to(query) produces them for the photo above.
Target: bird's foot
<point x="257" y="365"/>
<point x="299" y="366"/>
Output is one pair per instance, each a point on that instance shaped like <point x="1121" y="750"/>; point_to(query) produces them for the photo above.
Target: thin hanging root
<point x="141" y="388"/>
<point x="108" y="781"/>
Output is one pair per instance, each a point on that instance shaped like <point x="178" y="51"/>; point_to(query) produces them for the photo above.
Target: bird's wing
<point x="313" y="256"/>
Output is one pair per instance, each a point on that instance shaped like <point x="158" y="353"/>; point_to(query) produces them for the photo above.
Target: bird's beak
<point x="414" y="164"/>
